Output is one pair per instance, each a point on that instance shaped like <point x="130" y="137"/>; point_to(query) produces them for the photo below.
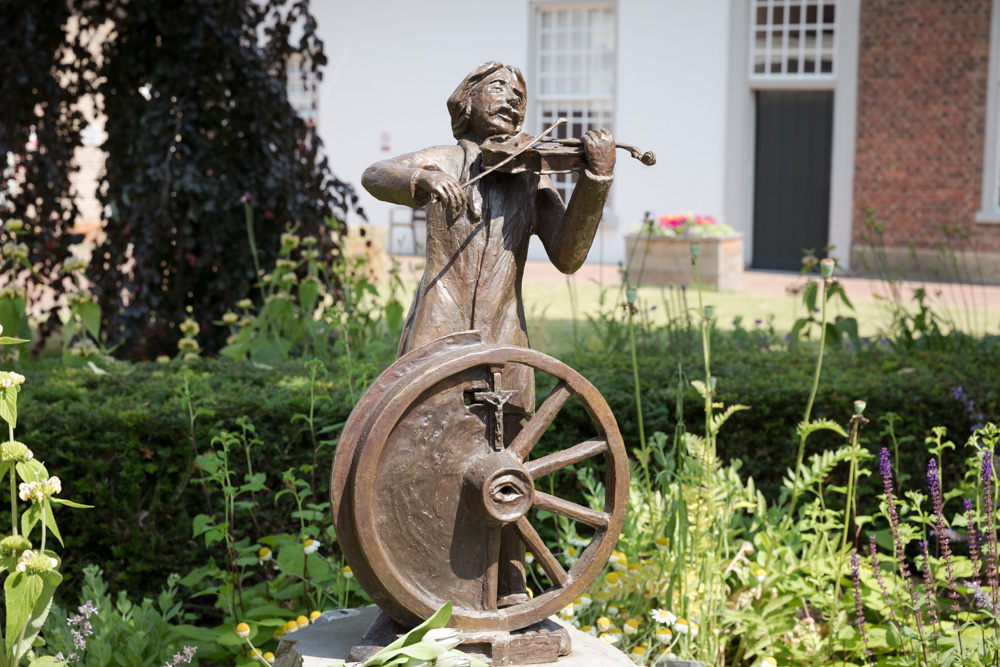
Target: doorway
<point x="792" y="171"/>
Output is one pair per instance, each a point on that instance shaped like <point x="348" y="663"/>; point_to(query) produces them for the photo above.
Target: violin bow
<point x="513" y="155"/>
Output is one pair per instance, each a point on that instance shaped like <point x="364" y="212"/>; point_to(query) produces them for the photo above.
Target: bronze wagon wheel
<point x="421" y="491"/>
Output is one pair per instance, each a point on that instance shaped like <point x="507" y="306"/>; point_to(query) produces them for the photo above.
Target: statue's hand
<point x="599" y="148"/>
<point x="442" y="186"/>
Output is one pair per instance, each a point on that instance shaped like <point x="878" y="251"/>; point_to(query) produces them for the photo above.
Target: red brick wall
<point x="922" y="83"/>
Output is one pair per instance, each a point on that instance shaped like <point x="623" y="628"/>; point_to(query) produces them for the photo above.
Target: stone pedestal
<point x="657" y="260"/>
<point x="327" y="641"/>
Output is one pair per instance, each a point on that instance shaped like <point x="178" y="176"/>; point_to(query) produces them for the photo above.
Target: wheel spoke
<point x="559" y="460"/>
<point x="585" y="515"/>
<point x="545" y="558"/>
<point x="534" y="429"/>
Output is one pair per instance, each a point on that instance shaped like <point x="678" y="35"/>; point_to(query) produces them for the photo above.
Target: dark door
<point x="791" y="177"/>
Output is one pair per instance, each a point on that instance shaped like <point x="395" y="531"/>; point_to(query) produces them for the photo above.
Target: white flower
<point x="348" y="572"/>
<point x="663" y="635"/>
<point x="312" y="546"/>
<point x="681" y="626"/>
<point x="610" y="638"/>
<point x="663" y="616"/>
<point x="528" y="557"/>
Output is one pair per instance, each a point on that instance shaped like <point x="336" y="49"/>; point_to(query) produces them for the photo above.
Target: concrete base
<point x="327" y="641"/>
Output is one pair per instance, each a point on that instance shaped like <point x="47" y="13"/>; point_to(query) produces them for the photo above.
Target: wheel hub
<point x="499" y="489"/>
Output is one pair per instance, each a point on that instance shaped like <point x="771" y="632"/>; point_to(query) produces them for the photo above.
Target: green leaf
<point x="40" y="610"/>
<point x="70" y="503"/>
<point x="7" y="340"/>
<point x="394" y="316"/>
<point x="50" y="520"/>
<point x="90" y="313"/>
<point x="809" y="295"/>
<point x="30" y="517"/>
<point x="8" y="405"/>
<point x="201" y="523"/>
<point x="308" y="296"/>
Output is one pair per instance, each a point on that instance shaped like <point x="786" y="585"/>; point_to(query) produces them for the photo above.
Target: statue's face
<point x="497" y="105"/>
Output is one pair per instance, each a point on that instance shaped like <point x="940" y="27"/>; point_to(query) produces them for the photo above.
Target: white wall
<point x="393" y="64"/>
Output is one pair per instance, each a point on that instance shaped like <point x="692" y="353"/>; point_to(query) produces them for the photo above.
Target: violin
<point x="552" y="156"/>
<point x="542" y="156"/>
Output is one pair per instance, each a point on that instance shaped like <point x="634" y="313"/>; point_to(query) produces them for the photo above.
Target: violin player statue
<point x="433" y="477"/>
<point x="477" y="237"/>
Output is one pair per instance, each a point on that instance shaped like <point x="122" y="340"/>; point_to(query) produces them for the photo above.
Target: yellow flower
<point x="584" y="601"/>
<point x="348" y="573"/>
<point x="529" y="558"/>
<point x="291" y="626"/>
<point x="243" y="630"/>
<point x="245" y="304"/>
<point x="531" y="594"/>
<point x="761" y="574"/>
<point x="230" y="318"/>
<point x="662" y="544"/>
<point x="269" y="657"/>
<point x="314" y="615"/>
<point x="681" y="626"/>
<point x="619" y="561"/>
<point x="567" y="611"/>
<point x="631" y="626"/>
<point x="590" y="630"/>
<point x="604" y="624"/>
<point x="638" y="651"/>
<point x="312" y="546"/>
<point x="613" y="579"/>
<point x="770" y="660"/>
<point x="255" y="653"/>
<point x="264" y="554"/>
<point x="302" y="621"/>
<point x="663" y="635"/>
<point x="279" y="632"/>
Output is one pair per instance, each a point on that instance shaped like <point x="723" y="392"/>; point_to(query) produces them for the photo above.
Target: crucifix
<point x="498" y="398"/>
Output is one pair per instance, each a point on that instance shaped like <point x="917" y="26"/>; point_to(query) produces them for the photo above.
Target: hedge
<point x="121" y="441"/>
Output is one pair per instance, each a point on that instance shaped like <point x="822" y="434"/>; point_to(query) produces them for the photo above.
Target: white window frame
<point x="302" y="88"/>
<point x="989" y="211"/>
<point x="783" y="51"/>
<point x="540" y="104"/>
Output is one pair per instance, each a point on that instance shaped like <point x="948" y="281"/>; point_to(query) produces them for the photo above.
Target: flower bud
<point x="709" y="311"/>
<point x="630" y="296"/>
<point x="694" y="250"/>
<point x="13" y="451"/>
<point x="14" y="545"/>
<point x="859" y="407"/>
<point x="243" y="630"/>
<point x="826" y="267"/>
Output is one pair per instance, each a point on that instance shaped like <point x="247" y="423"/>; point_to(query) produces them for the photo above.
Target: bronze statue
<point x="432" y="482"/>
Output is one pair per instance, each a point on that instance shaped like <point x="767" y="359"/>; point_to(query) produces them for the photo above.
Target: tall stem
<point x="644" y="457"/>
<point x="13" y="500"/>
<point x="809" y="405"/>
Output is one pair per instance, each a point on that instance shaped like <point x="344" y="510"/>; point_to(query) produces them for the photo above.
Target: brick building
<point x="927" y="143"/>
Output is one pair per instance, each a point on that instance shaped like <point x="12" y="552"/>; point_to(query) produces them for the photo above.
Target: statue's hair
<point x="460" y="102"/>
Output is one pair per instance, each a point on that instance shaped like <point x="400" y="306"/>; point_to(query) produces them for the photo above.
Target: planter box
<point x="656" y="260"/>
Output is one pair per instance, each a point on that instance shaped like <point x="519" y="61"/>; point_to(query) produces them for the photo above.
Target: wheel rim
<point x="407" y="602"/>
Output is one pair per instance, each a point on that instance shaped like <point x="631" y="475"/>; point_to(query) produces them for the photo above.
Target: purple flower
<point x="758" y="321"/>
<point x="975" y="542"/>
<point x="941" y="531"/>
<point x="930" y="596"/>
<point x="858" y="608"/>
<point x="885" y="469"/>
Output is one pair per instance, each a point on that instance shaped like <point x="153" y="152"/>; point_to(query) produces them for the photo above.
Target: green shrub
<point x="124" y="439"/>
